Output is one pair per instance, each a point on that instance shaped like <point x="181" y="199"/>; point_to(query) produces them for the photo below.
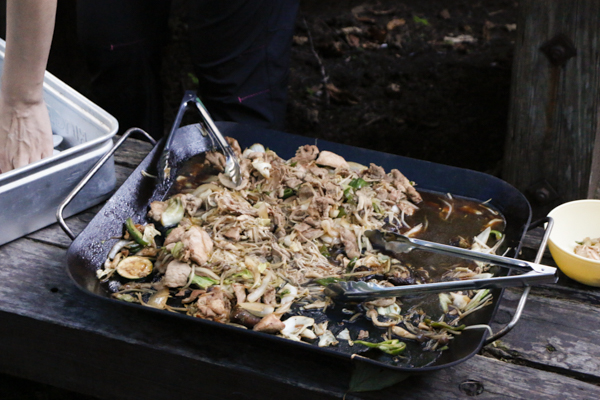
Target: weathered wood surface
<point x="54" y="333"/>
<point x="553" y="120"/>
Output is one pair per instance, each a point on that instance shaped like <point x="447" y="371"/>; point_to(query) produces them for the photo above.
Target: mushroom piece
<point x="269" y="324"/>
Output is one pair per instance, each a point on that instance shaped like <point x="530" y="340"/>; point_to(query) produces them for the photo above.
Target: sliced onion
<point x="159" y="299"/>
<point x="257" y="309"/>
<point x="118" y="247"/>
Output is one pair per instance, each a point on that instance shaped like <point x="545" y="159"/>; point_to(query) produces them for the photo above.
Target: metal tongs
<point x="395" y="243"/>
<point x="232" y="165"/>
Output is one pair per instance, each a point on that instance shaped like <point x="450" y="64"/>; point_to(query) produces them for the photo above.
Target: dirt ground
<point x="428" y="79"/>
<point x="425" y="79"/>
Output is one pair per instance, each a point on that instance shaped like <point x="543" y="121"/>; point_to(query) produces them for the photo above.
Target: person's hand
<point x="25" y="134"/>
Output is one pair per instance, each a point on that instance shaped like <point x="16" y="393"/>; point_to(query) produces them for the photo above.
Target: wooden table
<point x="54" y="333"/>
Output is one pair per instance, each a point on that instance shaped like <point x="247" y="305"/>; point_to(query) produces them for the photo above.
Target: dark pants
<point x="240" y="50"/>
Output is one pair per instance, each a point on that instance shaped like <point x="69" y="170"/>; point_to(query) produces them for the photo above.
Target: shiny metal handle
<point x="90" y="175"/>
<point x="483" y="257"/>
<point x="521" y="306"/>
<point x="232" y="165"/>
<point x="164" y="167"/>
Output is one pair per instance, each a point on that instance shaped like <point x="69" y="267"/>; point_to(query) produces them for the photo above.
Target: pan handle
<point x="90" y="174"/>
<point x="519" y="310"/>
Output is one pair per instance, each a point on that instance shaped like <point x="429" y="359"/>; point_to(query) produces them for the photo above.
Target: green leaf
<point x="392" y="347"/>
<point x="203" y="281"/>
<point x="327" y="281"/>
<point x="420" y="20"/>
<point x="135" y="233"/>
<point x="358" y="183"/>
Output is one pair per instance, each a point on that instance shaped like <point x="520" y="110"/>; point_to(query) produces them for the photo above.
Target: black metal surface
<point x="89" y="250"/>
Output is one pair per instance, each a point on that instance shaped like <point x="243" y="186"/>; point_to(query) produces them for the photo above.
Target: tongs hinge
<point x="232" y="166"/>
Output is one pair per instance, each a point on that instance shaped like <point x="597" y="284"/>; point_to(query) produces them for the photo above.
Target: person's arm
<point x="25" y="132"/>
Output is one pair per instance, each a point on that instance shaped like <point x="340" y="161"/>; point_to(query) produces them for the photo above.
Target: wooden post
<point x="553" y="120"/>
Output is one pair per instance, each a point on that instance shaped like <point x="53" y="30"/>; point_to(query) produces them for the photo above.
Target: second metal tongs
<point x="395" y="243"/>
<point x="232" y="165"/>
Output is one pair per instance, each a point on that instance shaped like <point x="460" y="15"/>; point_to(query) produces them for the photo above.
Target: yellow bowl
<point x="573" y="222"/>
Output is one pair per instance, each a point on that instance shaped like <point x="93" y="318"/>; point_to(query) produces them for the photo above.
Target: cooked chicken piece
<point x="318" y="171"/>
<point x="310" y="234"/>
<point x="362" y="335"/>
<point x="191" y="203"/>
<point x="292" y="181"/>
<point x="175" y="235"/>
<point x="233" y="233"/>
<point x="240" y="292"/>
<point x="217" y="160"/>
<point x="157" y="208"/>
<point x="334" y="191"/>
<point x="332" y="160"/>
<point x="228" y="204"/>
<point x="306" y="154"/>
<point x="177" y="274"/>
<point x="374" y="172"/>
<point x="322" y="205"/>
<point x="305" y="193"/>
<point x="270" y="297"/>
<point x="401" y="182"/>
<point x="276" y="176"/>
<point x="235" y="146"/>
<point x="214" y="306"/>
<point x="269" y="324"/>
<point x="197" y="245"/>
<point x="350" y="243"/>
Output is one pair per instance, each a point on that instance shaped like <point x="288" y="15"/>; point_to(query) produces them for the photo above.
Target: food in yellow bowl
<point x="574" y="221"/>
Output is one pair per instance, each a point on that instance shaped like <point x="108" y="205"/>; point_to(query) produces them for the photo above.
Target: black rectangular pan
<point x="89" y="249"/>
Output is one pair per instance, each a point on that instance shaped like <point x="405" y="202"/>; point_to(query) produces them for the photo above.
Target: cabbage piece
<point x="174" y="212"/>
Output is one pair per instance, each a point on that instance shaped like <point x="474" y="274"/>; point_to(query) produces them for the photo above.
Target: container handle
<point x="90" y="174"/>
<point x="519" y="310"/>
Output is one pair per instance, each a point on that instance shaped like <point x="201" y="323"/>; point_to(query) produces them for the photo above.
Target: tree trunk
<point x="553" y="120"/>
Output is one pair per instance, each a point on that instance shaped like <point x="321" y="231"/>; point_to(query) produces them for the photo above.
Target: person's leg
<point x="241" y="53"/>
<point x="122" y="42"/>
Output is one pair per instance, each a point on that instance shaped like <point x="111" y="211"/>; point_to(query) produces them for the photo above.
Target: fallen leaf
<point x="366" y="20"/>
<point x="352" y="30"/>
<point x="394" y="87"/>
<point x="383" y="12"/>
<point x="445" y="14"/>
<point x="459" y="39"/>
<point x="341" y="96"/>
<point x="372" y="45"/>
<point x="420" y="20"/>
<point x="300" y="40"/>
<point x="396" y="40"/>
<point x="487" y="30"/>
<point x="353" y="40"/>
<point x="396" y="22"/>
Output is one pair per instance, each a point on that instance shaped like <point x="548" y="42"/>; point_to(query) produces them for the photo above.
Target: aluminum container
<point x="29" y="196"/>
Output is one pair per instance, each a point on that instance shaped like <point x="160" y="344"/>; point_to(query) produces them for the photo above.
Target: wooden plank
<point x="114" y="350"/>
<point x="557" y="333"/>
<point x="132" y="152"/>
<point x="554" y="110"/>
